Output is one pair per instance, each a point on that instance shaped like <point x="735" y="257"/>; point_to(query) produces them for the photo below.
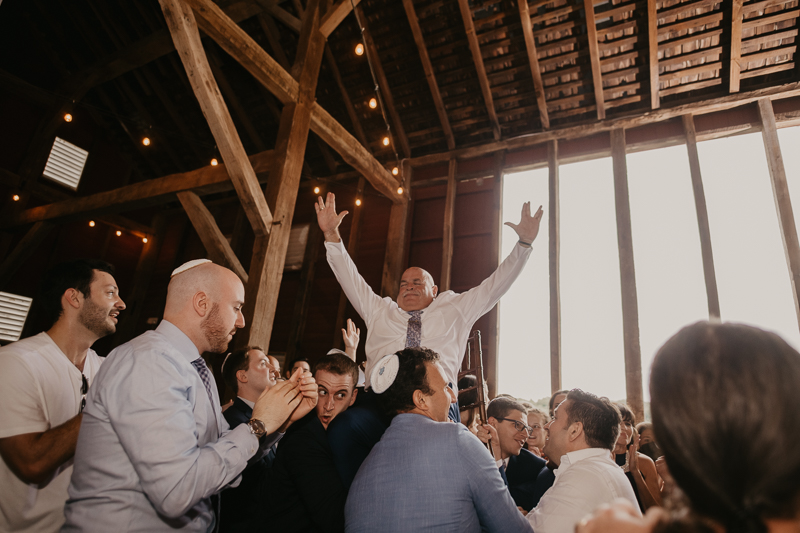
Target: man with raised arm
<point x="43" y="384"/>
<point x="154" y="449"/>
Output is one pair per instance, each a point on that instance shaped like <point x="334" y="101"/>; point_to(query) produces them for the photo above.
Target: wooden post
<point x="303" y="299"/>
<point x="627" y="274"/>
<point x="352" y="251"/>
<point x="266" y="270"/>
<point x="492" y="362"/>
<point x="702" y="218"/>
<point x="448" y="232"/>
<point x="396" y="240"/>
<point x="783" y="203"/>
<point x="554" y="213"/>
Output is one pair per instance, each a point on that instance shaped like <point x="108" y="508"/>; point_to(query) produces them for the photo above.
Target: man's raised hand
<point x="327" y="218"/>
<point x="277" y="403"/>
<point x="528" y="227"/>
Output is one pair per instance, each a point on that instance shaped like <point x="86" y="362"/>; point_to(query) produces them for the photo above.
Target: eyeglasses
<point x="84" y="390"/>
<point x="519" y="426"/>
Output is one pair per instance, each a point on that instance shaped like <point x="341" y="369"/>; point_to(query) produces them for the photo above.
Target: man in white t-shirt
<point x="43" y="385"/>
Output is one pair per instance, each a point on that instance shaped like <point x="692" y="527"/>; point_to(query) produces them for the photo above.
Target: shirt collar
<point x="248" y="402"/>
<point x="579" y="455"/>
<point x="179" y="340"/>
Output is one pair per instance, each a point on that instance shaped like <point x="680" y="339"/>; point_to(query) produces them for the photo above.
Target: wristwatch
<point x="257" y="427"/>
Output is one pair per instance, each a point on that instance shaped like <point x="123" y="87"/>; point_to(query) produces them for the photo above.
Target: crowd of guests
<point x="140" y="441"/>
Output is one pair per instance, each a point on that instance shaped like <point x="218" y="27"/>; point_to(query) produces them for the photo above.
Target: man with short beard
<point x="43" y="385"/>
<point x="154" y="449"/>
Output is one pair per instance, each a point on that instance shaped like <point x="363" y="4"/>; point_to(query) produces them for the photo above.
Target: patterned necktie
<point x="414" y="331"/>
<point x="202" y="369"/>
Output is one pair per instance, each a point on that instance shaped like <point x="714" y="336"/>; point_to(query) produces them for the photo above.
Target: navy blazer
<point x="522" y="472"/>
<point x="242" y="508"/>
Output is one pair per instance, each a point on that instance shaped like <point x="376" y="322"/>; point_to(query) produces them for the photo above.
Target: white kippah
<point x="336" y="350"/>
<point x="187" y="265"/>
<point x="384" y="373"/>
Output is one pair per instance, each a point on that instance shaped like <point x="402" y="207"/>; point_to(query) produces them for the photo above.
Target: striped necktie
<point x="414" y="331"/>
<point x="202" y="369"/>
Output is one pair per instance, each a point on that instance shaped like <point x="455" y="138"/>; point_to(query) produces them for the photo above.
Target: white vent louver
<point x="65" y="164"/>
<point x="13" y="312"/>
<point x="296" y="250"/>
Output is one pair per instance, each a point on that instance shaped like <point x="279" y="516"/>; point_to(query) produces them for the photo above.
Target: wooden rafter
<point x="218" y="248"/>
<point x="429" y="74"/>
<point x="533" y="60"/>
<point x="386" y="92"/>
<point x="594" y="56"/>
<point x="652" y="55"/>
<point x="736" y="45"/>
<point x="180" y="19"/>
<point x="271" y="75"/>
<point x="477" y="59"/>
<point x="335" y="15"/>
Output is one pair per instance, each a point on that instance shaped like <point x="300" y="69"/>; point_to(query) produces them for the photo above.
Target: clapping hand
<point x="309" y="393"/>
<point x="528" y="227"/>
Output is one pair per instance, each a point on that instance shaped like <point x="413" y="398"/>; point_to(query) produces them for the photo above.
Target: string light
<point x="359" y="49"/>
<point x="15" y="197"/>
<point x="91" y="223"/>
<point x="214" y="162"/>
<point x="358" y="201"/>
<point x="119" y="233"/>
<point x="67" y="118"/>
<point x="373" y="103"/>
<point x="144" y="240"/>
<point x="316" y="190"/>
<point x="399" y="190"/>
<point x="146" y="141"/>
<point x="386" y="141"/>
<point x="395" y="171"/>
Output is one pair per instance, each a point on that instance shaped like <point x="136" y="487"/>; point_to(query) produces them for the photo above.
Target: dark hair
<point x="339" y="364"/>
<point x="600" y="418"/>
<point x="641" y="427"/>
<point x="626" y="413"/>
<point x="469" y="397"/>
<point x="77" y="274"/>
<point x="411" y="376"/>
<point x="553" y="399"/>
<point x="237" y="360"/>
<point x="287" y="369"/>
<point x="500" y="407"/>
<point x="726" y="412"/>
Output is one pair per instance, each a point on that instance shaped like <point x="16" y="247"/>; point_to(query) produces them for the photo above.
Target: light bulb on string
<point x="91" y="223"/>
<point x="146" y="141"/>
<point x="214" y="162"/>
<point x="316" y="190"/>
<point x="67" y="118"/>
<point x="144" y="240"/>
<point x="119" y="233"/>
<point x="15" y="197"/>
<point x="373" y="103"/>
<point x="386" y="141"/>
<point x="359" y="49"/>
<point x="395" y="171"/>
<point x="399" y="190"/>
<point x="358" y="201"/>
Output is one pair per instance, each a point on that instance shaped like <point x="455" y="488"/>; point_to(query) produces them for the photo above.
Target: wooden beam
<point x="273" y="36"/>
<point x="135" y="296"/>
<point x="352" y="251"/>
<point x="594" y="56"/>
<point x="266" y="270"/>
<point x="702" y="218"/>
<point x="735" y="45"/>
<point x="477" y="59"/>
<point x="448" y="231"/>
<point x="303" y="299"/>
<point x="385" y="91"/>
<point x="271" y="75"/>
<point x="429" y="74"/>
<point x="218" y="248"/>
<point x="181" y="22"/>
<point x="652" y="55"/>
<point x="335" y="15"/>
<point x="627" y="274"/>
<point x="554" y="254"/>
<point x="533" y="60"/>
<point x="286" y="18"/>
<point x="23" y="250"/>
<point x="151" y="192"/>
<point x="783" y="202"/>
<point x="396" y="240"/>
<point x="631" y="121"/>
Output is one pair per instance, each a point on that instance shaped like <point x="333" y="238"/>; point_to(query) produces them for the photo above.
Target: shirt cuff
<point x="335" y="247"/>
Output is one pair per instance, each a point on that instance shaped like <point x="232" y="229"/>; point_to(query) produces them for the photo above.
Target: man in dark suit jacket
<point x="306" y="492"/>
<point x="248" y="372"/>
<point x="518" y="467"/>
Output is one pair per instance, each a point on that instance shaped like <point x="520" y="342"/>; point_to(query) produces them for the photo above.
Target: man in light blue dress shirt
<point x="427" y="474"/>
<point x="154" y="447"/>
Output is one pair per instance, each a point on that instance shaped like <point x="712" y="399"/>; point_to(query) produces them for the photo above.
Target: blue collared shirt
<point x="152" y="447"/>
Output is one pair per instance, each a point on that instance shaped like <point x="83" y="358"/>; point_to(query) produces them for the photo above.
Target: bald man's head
<point x="417" y="290"/>
<point x="207" y="301"/>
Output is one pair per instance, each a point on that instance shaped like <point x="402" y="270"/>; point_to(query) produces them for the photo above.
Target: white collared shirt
<point x="584" y="479"/>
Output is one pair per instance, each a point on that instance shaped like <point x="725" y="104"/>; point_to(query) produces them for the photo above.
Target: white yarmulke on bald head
<point x="384" y="373"/>
<point x="189" y="264"/>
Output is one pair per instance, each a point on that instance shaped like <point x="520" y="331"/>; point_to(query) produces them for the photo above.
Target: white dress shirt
<point x="584" y="479"/>
<point x="446" y="322"/>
